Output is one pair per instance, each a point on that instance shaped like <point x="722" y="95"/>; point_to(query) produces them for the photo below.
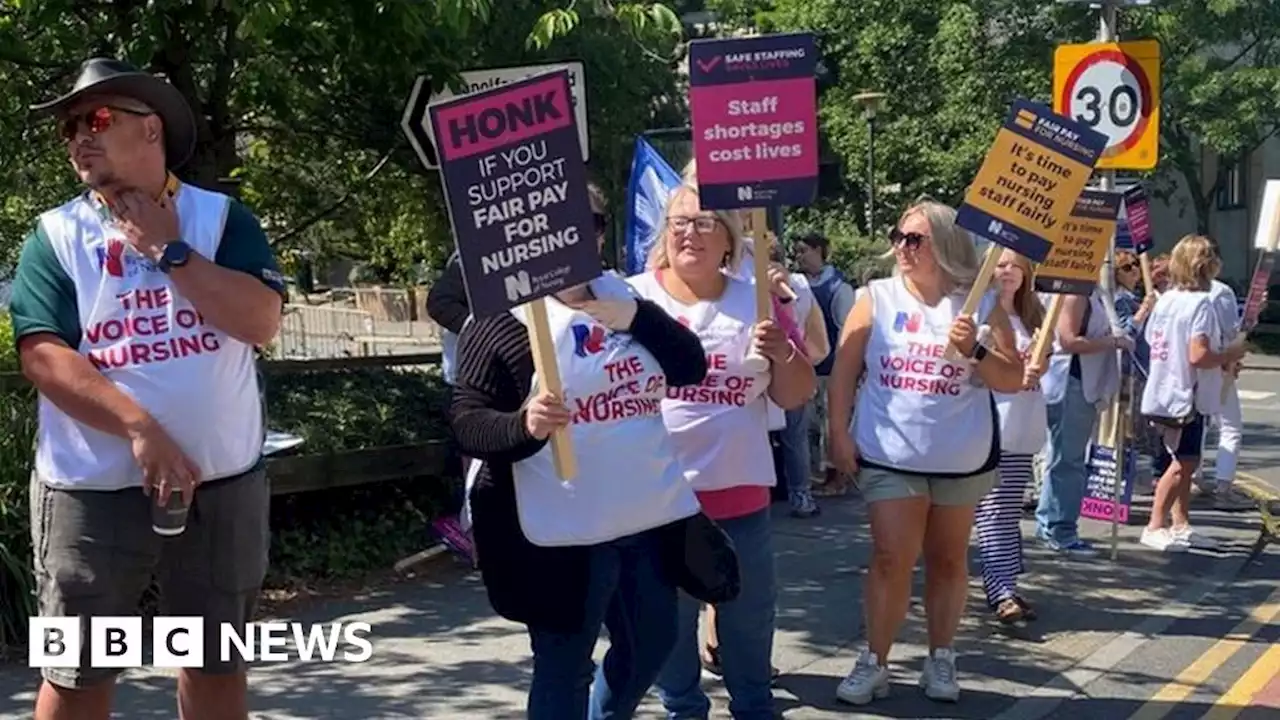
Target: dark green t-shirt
<point x="43" y="296"/>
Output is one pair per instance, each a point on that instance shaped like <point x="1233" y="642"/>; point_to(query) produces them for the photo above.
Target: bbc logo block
<point x="115" y="642"/>
<point x="181" y="642"/>
<point x="53" y="642"/>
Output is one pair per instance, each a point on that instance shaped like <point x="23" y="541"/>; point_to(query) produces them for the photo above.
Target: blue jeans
<point x="746" y="635"/>
<point x="1070" y="428"/>
<point x="796" y="455"/>
<point x="627" y="594"/>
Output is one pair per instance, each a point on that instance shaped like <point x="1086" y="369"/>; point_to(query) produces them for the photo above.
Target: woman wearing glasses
<point x="720" y="429"/>
<point x="924" y="441"/>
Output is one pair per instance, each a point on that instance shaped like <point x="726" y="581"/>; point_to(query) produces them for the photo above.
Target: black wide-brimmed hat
<point x="106" y="76"/>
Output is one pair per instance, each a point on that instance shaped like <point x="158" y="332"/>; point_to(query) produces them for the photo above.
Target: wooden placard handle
<point x="1144" y="262"/>
<point x="760" y="266"/>
<point x="1048" y="328"/>
<point x="548" y="371"/>
<point x="980" y="285"/>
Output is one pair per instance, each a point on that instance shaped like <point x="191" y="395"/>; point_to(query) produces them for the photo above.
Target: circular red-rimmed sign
<point x="1109" y="91"/>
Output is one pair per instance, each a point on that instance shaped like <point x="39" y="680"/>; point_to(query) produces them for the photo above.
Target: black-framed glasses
<point x="98" y="120"/>
<point x="910" y="241"/>
<point x="702" y="224"/>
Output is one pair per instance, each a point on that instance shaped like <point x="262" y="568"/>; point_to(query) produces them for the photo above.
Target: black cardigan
<point x="538" y="586"/>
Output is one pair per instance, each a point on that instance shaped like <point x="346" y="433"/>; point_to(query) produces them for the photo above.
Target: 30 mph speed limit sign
<point x="1113" y="88"/>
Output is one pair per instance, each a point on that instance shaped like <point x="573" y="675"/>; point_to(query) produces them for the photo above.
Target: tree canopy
<point x="299" y="101"/>
<point x="951" y="68"/>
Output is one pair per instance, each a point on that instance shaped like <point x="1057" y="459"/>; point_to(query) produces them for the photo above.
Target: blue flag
<point x="652" y="181"/>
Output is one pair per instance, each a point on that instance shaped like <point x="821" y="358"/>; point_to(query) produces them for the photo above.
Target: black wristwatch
<point x="175" y="255"/>
<point x="979" y="352"/>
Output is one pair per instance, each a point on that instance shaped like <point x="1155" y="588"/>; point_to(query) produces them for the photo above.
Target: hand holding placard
<point x="545" y="367"/>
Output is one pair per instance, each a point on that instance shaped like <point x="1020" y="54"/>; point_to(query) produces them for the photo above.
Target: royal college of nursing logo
<point x="907" y="322"/>
<point x="114" y="260"/>
<point x="587" y="339"/>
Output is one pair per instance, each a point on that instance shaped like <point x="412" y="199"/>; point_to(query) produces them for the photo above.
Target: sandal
<point x="1028" y="612"/>
<point x="1009" y="611"/>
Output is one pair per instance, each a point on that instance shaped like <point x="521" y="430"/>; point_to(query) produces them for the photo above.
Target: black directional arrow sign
<point x="414" y="122"/>
<point x="417" y="127"/>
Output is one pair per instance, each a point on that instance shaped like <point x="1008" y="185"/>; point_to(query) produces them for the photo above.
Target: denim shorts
<point x="877" y="484"/>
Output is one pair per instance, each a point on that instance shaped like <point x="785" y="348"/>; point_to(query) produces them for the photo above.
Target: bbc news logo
<point x="180" y="642"/>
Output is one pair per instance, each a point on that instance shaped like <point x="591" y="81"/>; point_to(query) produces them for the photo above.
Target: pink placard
<point x="756" y="131"/>
<point x="503" y="117"/>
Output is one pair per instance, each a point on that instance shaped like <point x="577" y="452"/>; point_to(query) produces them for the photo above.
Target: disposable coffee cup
<point x="170" y="519"/>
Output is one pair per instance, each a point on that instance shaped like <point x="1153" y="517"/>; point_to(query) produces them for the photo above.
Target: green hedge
<point x="336" y="533"/>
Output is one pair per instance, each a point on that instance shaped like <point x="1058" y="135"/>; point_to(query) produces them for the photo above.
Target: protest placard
<point x="1075" y="260"/>
<point x="1027" y="187"/>
<point x="1103" y="500"/>
<point x="1265" y="240"/>
<point x="1028" y="184"/>
<point x="754" y="109"/>
<point x="516" y="187"/>
<point x="1137" y="212"/>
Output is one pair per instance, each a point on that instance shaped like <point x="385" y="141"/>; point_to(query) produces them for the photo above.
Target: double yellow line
<point x="1195" y="675"/>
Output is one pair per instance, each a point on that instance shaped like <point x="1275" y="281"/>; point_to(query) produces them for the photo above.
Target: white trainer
<point x="868" y="679"/>
<point x="1194" y="538"/>
<point x="939" y="676"/>
<point x="1163" y="540"/>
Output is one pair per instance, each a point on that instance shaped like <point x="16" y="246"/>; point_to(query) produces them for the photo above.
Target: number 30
<point x="1121" y="114"/>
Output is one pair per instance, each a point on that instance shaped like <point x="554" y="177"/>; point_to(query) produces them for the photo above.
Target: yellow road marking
<point x="1199" y="671"/>
<point x="1259" y="486"/>
<point x="1249" y="684"/>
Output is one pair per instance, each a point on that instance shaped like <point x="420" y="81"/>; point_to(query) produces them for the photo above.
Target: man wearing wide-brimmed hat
<point x="137" y="306"/>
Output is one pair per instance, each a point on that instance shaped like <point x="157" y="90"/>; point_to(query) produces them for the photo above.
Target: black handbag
<point x="701" y="560"/>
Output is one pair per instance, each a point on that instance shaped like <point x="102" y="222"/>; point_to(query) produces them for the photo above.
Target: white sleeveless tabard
<point x="628" y="479"/>
<point x="198" y="382"/>
<point x="1099" y="375"/>
<point x="1024" y="419"/>
<point x="918" y="412"/>
<point x="720" y="427"/>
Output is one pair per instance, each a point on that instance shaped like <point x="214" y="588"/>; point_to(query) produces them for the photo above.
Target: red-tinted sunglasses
<point x="910" y="240"/>
<point x="97" y="121"/>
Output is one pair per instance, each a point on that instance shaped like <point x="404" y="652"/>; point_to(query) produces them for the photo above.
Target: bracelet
<point x="792" y="356"/>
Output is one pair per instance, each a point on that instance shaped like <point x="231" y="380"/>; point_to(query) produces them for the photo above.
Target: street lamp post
<point x="871" y="103"/>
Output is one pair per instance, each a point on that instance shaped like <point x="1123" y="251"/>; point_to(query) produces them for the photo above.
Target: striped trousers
<point x="998" y="524"/>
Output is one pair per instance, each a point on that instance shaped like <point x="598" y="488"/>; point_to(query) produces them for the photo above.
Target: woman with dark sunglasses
<point x="924" y="440"/>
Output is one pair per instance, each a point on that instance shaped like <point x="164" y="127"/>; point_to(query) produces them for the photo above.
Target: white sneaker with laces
<point x="868" y="679"/>
<point x="1194" y="538"/>
<point x="939" y="676"/>
<point x="1163" y="540"/>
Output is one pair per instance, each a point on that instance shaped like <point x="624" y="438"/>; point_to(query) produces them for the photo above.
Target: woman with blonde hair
<point x="1024" y="425"/>
<point x="1184" y="385"/>
<point x="925" y="440"/>
<point x="720" y="430"/>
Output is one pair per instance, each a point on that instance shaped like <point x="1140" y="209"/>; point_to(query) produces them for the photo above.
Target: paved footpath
<point x="1111" y="635"/>
<point x="1145" y="636"/>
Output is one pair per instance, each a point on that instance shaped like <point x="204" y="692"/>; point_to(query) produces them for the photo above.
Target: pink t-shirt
<point x="734" y="502"/>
